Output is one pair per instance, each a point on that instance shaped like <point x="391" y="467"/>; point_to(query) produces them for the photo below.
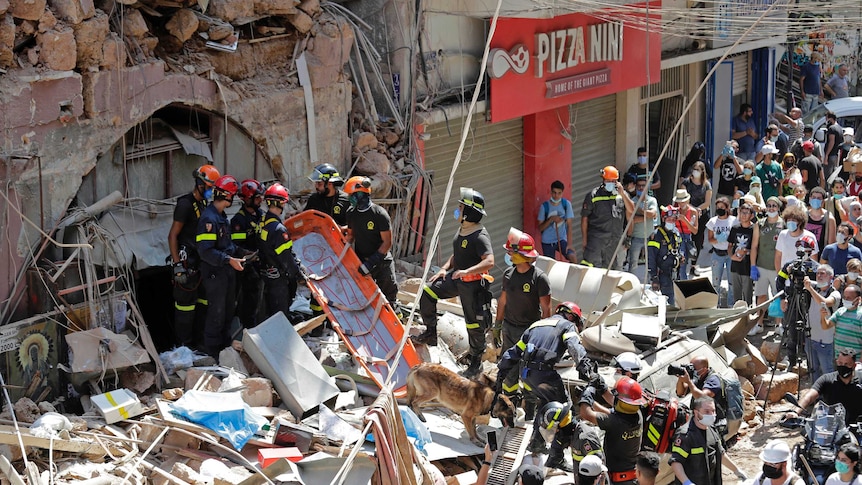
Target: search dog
<point x="469" y="398"/>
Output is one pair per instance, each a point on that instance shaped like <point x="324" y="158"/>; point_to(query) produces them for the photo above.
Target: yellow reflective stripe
<point x="206" y="237"/>
<point x="681" y="452"/>
<point x="696" y="451"/>
<point x="203" y="302"/>
<point x="653" y="434"/>
<point x="782" y="274"/>
<point x="600" y="198"/>
<point x="264" y="234"/>
<point x="431" y="292"/>
<point x="315" y="307"/>
<point x="577" y="457"/>
<point x="271" y="219"/>
<point x="521" y="345"/>
<point x="241" y="236"/>
<point x="284" y="247"/>
<point x="472" y="326"/>
<point x="185" y="308"/>
<point x="526" y="386"/>
<point x="654" y="244"/>
<point x="567" y="336"/>
<point x="586" y="263"/>
<point x="512" y="388"/>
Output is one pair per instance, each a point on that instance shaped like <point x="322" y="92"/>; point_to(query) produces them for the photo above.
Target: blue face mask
<point x="611" y="186"/>
<point x="842" y="467"/>
<point x="817" y="63"/>
<point x="815" y="203"/>
<point x="746" y="171"/>
<point x="457" y="213"/>
<point x="837" y="196"/>
<point x="792" y="226"/>
<point x="208" y="194"/>
<point x="639" y="193"/>
<point x="508" y="259"/>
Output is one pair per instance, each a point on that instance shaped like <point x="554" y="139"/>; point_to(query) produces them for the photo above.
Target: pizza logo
<point x="526" y="287"/>
<point x="336" y="210"/>
<point x="464" y="244"/>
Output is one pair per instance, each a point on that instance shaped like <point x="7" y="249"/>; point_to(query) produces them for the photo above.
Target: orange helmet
<point x="522" y="243"/>
<point x="225" y="187"/>
<point x="610" y="173"/>
<point x="276" y="194"/>
<point x="357" y="183"/>
<point x="630" y="392"/>
<point x="207" y="175"/>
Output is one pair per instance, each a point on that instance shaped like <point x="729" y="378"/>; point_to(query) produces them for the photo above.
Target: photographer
<point x="796" y="300"/>
<point x="824" y="299"/>
<point x="841" y="386"/>
<point x="699" y="378"/>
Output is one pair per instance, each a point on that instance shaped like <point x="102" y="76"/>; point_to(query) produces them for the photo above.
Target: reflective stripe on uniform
<point x="697" y="451"/>
<point x="680" y="451"/>
<point x="653" y="434"/>
<point x="600" y="198"/>
<point x="203" y="302"/>
<point x="586" y="263"/>
<point x="206" y="237"/>
<point x="284" y="247"/>
<point x="514" y="387"/>
<point x="431" y="292"/>
<point x="526" y="386"/>
<point x="238" y="236"/>
<point x="471" y="326"/>
<point x="654" y="244"/>
<point x="314" y="307"/>
<point x="567" y="336"/>
<point x="579" y="457"/>
<point x="521" y="345"/>
<point x="264" y="234"/>
<point x="782" y="274"/>
<point x="184" y="308"/>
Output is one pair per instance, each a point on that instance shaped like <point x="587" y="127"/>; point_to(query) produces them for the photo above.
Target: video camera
<point x="678" y="370"/>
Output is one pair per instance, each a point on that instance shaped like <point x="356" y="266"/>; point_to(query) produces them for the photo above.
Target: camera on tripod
<point x="678" y="370"/>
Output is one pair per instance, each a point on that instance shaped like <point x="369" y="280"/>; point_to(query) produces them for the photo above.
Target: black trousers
<point x="190" y="307"/>
<point x="220" y="285"/>
<point x="279" y="294"/>
<point x="472" y="299"/>
<point x="384" y="275"/>
<point x="249" y="287"/>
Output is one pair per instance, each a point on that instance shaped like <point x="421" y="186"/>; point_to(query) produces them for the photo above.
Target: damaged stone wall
<point x="76" y="75"/>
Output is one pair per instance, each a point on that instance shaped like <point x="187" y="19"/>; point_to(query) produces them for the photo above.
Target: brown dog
<point x="427" y="382"/>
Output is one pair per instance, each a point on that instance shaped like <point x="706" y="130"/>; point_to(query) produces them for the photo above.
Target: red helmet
<point x="225" y="187"/>
<point x="207" y="175"/>
<point x="610" y="173"/>
<point x="806" y="242"/>
<point x="568" y="307"/>
<point x="630" y="392"/>
<point x="357" y="183"/>
<point x="522" y="243"/>
<point x="249" y="189"/>
<point x="670" y="211"/>
<point x="276" y="194"/>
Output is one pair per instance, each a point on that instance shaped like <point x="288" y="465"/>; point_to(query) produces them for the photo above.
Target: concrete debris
<point x="73" y="11"/>
<point x="183" y="24"/>
<point x="57" y="49"/>
<point x="134" y="24"/>
<point x="27" y="9"/>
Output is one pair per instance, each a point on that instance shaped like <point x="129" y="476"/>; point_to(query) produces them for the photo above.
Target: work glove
<point x="587" y="369"/>
<point x="755" y="273"/>
<point x="371" y="262"/>
<point x="741" y="475"/>
<point x="599" y="385"/>
<point x="181" y="276"/>
<point x="588" y="397"/>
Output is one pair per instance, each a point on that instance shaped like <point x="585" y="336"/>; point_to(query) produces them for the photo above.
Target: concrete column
<point x="547" y="157"/>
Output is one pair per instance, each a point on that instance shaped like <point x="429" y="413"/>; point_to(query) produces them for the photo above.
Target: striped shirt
<point x="848" y="329"/>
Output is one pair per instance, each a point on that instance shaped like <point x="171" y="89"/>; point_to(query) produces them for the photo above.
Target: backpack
<point x="731" y="398"/>
<point x="664" y="415"/>
<point x="546" y="205"/>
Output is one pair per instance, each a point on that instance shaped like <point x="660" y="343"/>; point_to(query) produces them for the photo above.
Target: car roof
<point x="839" y="105"/>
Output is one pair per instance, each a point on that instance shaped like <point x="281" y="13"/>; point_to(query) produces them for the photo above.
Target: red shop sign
<point x="541" y="64"/>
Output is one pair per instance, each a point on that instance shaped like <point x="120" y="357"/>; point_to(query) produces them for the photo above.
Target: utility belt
<point x="720" y="252"/>
<point x="468" y="278"/>
<point x="539" y="365"/>
<point x="622" y="476"/>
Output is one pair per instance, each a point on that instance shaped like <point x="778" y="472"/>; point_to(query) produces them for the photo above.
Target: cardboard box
<point x="118" y="405"/>
<point x="696" y="293"/>
<point x="268" y="456"/>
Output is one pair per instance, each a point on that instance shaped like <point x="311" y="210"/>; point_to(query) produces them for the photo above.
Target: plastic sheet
<point x="177" y="359"/>
<point x="416" y="429"/>
<point x="223" y="412"/>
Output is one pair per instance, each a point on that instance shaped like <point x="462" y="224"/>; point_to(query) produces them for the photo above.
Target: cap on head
<point x="776" y="451"/>
<point x="808" y="145"/>
<point x="591" y="466"/>
<point x="769" y="149"/>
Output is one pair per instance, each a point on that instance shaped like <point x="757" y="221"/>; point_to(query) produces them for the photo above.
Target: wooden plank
<point x="66" y="291"/>
<point x="147" y="340"/>
<point x="309" y="325"/>
<point x="9" y="472"/>
<point x="89" y="448"/>
<point x="442" y="305"/>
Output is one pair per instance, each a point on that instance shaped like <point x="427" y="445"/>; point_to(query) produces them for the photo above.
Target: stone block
<point x="783" y="383"/>
<point x="364" y="142"/>
<point x="57" y="49"/>
<point x="230" y="10"/>
<point x="4" y="6"/>
<point x="749" y="407"/>
<point x="134" y="24"/>
<point x="311" y="7"/>
<point x="28" y="27"/>
<point x="90" y="35"/>
<point x="372" y="163"/>
<point x="258" y="392"/>
<point x="183" y="24"/>
<point x="301" y="21"/>
<point x="328" y="50"/>
<point x="73" y="11"/>
<point x="275" y="7"/>
<point x="47" y="22"/>
<point x="27" y="9"/>
<point x="390" y="137"/>
<point x="220" y="31"/>
<point x="747" y="387"/>
<point x="7" y="40"/>
<point x="770" y="351"/>
<point x="113" y="52"/>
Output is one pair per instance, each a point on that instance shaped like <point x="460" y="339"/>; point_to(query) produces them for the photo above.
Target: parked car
<point x="848" y="110"/>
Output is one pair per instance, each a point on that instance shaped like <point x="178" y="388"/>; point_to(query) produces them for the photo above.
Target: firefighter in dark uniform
<point x="805" y="246"/>
<point x="463" y="275"/>
<point x="219" y="264"/>
<point x="280" y="269"/>
<point x="370" y="231"/>
<point x="530" y="364"/>
<point x="188" y="293"/>
<point x="623" y="427"/>
<point x="603" y="218"/>
<point x="663" y="253"/>
<point x="245" y="226"/>
<point x="329" y="199"/>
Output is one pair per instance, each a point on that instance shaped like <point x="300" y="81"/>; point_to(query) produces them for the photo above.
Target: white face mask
<point x="840" y="238"/>
<point x="670" y="226"/>
<point x="611" y="187"/>
<point x="822" y="284"/>
<point x="848" y="304"/>
<point x="772" y="214"/>
<point x="755" y="189"/>
<point x="695" y="174"/>
<point x="852" y="275"/>
<point x="642" y="160"/>
<point x="707" y="420"/>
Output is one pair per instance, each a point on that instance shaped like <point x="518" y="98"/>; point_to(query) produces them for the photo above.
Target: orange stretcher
<point x="356" y="308"/>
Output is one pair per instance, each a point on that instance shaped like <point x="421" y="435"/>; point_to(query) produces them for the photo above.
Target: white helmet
<point x="776" y="451"/>
<point x="628" y="362"/>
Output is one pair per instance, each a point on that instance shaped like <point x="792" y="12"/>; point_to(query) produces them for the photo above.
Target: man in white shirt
<point x="718" y="231"/>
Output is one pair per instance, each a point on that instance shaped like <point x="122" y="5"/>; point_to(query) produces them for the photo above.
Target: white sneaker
<point x="756" y="329"/>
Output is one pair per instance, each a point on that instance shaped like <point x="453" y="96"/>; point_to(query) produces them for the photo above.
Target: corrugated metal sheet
<point x="673" y="81"/>
<point x="740" y="72"/>
<point x="493" y="164"/>
<point x="592" y="125"/>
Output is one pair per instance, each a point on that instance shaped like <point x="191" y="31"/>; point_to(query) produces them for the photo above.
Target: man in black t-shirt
<point x="370" y="231"/>
<point x="811" y="168"/>
<point x="642" y="169"/>
<point x="327" y="196"/>
<point x="728" y="167"/>
<point x="841" y="386"/>
<point x="834" y="138"/>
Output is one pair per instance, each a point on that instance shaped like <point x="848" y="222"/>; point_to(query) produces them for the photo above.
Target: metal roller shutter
<point x="493" y="164"/>
<point x="593" y="126"/>
<point x="740" y="73"/>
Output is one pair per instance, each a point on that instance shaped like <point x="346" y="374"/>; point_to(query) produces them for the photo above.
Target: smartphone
<point x="492" y="440"/>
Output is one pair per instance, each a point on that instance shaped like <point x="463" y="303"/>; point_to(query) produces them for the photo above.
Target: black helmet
<point x="326" y="172"/>
<point x="474" y="204"/>
<point x="554" y="413"/>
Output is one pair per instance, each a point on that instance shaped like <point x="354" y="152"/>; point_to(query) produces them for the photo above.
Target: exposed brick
<point x="90" y="36"/>
<point x="311" y="7"/>
<point x="183" y="24"/>
<point x="28" y="9"/>
<point x="73" y="11"/>
<point x="230" y="10"/>
<point x="57" y="49"/>
<point x="134" y="24"/>
<point x="302" y="21"/>
<point x="113" y="52"/>
<point x="7" y="40"/>
<point x="275" y="7"/>
<point x="47" y="22"/>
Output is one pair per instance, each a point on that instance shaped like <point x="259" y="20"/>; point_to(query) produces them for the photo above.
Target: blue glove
<point x="755" y="273"/>
<point x="727" y="151"/>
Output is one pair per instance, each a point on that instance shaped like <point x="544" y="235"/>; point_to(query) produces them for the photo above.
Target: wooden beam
<point x="309" y="325"/>
<point x="89" y="448"/>
<point x="66" y="291"/>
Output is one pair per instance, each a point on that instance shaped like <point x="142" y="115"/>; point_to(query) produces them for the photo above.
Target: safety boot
<point x="537" y="445"/>
<point x="529" y="406"/>
<point x="428" y="337"/>
<point x="558" y="460"/>
<point x="474" y="368"/>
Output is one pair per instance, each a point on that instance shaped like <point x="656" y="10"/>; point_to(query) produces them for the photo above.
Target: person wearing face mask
<point x="839" y="253"/>
<point x="820" y="222"/>
<point x="246" y="224"/>
<point x="854" y="270"/>
<point x="603" y="218"/>
<point x="755" y="195"/>
<point x="775" y="137"/>
<point x="219" y="264"/>
<point x="697" y="452"/>
<point x="328" y="196"/>
<point x="663" y="253"/>
<point x="770" y="172"/>
<point x="841" y="386"/>
<point x="776" y="469"/>
<point x="694" y="214"/>
<point x="811" y="168"/>
<point x="810" y="88"/>
<point x="847" y="470"/>
<point x="848" y="144"/>
<point x="785" y="246"/>
<point x="696" y="154"/>
<point x="743" y="182"/>
<point x="791" y="173"/>
<point x="462" y="275"/>
<point x="824" y="301"/>
<point x="280" y="270"/>
<point x="556" y="219"/>
<point x="743" y="237"/>
<point x="848" y="322"/>
<point x="764" y="272"/>
<point x="729" y="167"/>
<point x="642" y="168"/>
<point x="187" y="291"/>
<point x="833" y="203"/>
<point x="646" y="218"/>
<point x="705" y="383"/>
<point x="718" y="232"/>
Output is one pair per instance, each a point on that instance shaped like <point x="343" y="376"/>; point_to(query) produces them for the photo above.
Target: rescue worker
<point x="603" y="218"/>
<point x="370" y="231"/>
<point x="663" y="253"/>
<point x="245" y="227"/>
<point x="280" y="269"/>
<point x="627" y="364"/>
<point x="188" y="292"/>
<point x="327" y="196"/>
<point x="218" y="264"/>
<point x="529" y="364"/>
<point x="462" y="276"/>
<point x="623" y="427"/>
